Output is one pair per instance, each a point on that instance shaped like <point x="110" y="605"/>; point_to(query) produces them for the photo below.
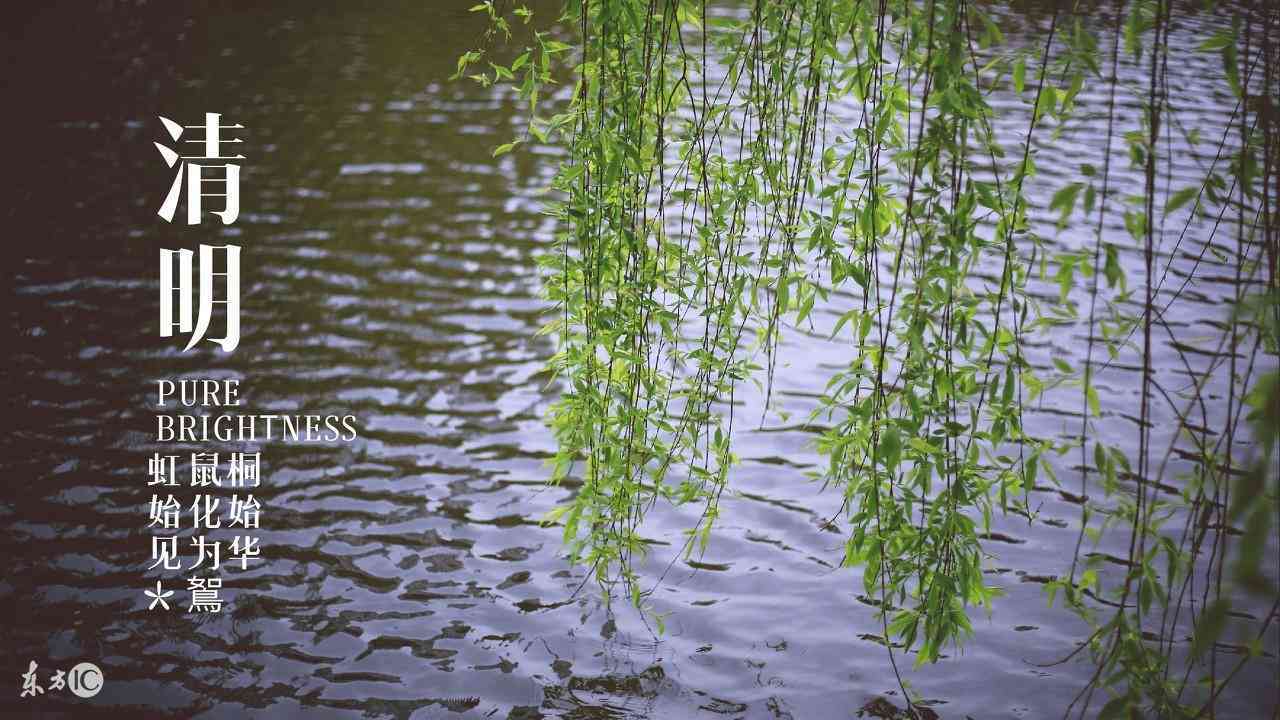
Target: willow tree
<point x="710" y="199"/>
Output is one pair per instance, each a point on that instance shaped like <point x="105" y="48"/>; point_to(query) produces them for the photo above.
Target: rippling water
<point x="389" y="273"/>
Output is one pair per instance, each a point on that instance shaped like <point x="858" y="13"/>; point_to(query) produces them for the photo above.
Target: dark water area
<point x="388" y="271"/>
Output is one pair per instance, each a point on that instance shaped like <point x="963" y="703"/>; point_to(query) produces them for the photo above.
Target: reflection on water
<point x="389" y="273"/>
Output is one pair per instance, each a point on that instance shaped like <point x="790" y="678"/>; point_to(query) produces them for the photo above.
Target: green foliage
<point x="706" y="204"/>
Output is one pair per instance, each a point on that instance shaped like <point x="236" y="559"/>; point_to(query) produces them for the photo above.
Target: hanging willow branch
<point x="711" y="199"/>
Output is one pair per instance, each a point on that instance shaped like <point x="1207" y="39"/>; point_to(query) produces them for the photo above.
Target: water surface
<point x="389" y="273"/>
